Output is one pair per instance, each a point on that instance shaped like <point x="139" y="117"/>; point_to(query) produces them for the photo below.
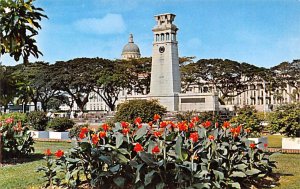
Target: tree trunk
<point x="35" y="105"/>
<point x="5" y="108"/>
<point x="25" y="60"/>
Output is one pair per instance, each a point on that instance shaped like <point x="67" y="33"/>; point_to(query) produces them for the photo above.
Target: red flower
<point x="82" y="135"/>
<point x="211" y="137"/>
<point x="150" y="123"/>
<point x="195" y="119"/>
<point x="194" y="137"/>
<point x="182" y="126"/>
<point x="102" y="134"/>
<point x="236" y="131"/>
<point x="206" y="124"/>
<point x="265" y="145"/>
<point x="192" y="125"/>
<point x="59" y="153"/>
<point x="9" y="120"/>
<point x="163" y="124"/>
<point x="95" y="138"/>
<point x="248" y="130"/>
<point x="171" y="123"/>
<point x="140" y="126"/>
<point x="48" y="152"/>
<point x="105" y="127"/>
<point x="252" y="145"/>
<point x="138" y="121"/>
<point x="157" y="133"/>
<point x="226" y="124"/>
<point x="156" y="117"/>
<point x="124" y="124"/>
<point x="216" y="124"/>
<point x="155" y="150"/>
<point x="125" y="131"/>
<point x="84" y="130"/>
<point x="138" y="147"/>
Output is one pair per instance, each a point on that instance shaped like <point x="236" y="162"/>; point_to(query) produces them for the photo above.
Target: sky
<point x="260" y="32"/>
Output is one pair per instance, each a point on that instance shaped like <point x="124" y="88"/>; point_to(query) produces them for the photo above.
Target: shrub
<point x="38" y="120"/>
<point x="16" y="139"/>
<point x="145" y="109"/>
<point x="250" y="119"/>
<point x="285" y="120"/>
<point x="165" y="155"/>
<point x="15" y="115"/>
<point x="61" y="124"/>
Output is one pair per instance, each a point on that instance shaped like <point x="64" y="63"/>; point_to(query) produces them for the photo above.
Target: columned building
<point x="130" y="50"/>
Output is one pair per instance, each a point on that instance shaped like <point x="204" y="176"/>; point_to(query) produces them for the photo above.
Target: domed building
<point x="130" y="50"/>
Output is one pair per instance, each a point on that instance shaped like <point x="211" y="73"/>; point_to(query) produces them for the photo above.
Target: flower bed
<point x="161" y="154"/>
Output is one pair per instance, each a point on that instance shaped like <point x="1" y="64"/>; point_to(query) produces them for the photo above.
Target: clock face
<point x="161" y="49"/>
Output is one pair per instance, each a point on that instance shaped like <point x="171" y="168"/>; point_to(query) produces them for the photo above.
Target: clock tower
<point x="165" y="76"/>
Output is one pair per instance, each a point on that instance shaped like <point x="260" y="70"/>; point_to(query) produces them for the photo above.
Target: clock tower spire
<point x="165" y="76"/>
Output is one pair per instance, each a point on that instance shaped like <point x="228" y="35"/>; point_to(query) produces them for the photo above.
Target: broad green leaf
<point x="141" y="132"/>
<point x="238" y="174"/>
<point x="148" y="177"/>
<point x="178" y="147"/>
<point x="122" y="158"/>
<point x="219" y="174"/>
<point x="202" y="186"/>
<point x="147" y="158"/>
<point x="119" y="181"/>
<point x="119" y="139"/>
<point x="235" y="185"/>
<point x="252" y="171"/>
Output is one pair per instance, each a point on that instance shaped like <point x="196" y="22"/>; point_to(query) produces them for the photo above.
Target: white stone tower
<point x="165" y="76"/>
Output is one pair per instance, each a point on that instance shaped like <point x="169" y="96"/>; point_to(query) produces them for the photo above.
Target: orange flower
<point x="216" y="124"/>
<point x="236" y="131"/>
<point x="252" y="145"/>
<point x="226" y="124"/>
<point x="105" y="127"/>
<point x="138" y="121"/>
<point x="82" y="135"/>
<point x="95" y="138"/>
<point x="124" y="124"/>
<point x="194" y="137"/>
<point x="157" y="133"/>
<point x="156" y="117"/>
<point x="195" y="119"/>
<point x="155" y="150"/>
<point x="163" y="124"/>
<point x="84" y="130"/>
<point x="206" y="124"/>
<point x="48" y="152"/>
<point x="125" y="131"/>
<point x="172" y="124"/>
<point x="138" y="147"/>
<point x="248" y="130"/>
<point x="102" y="134"/>
<point x="182" y="126"/>
<point x="59" y="153"/>
<point x="150" y="123"/>
<point x="140" y="126"/>
<point x="211" y="137"/>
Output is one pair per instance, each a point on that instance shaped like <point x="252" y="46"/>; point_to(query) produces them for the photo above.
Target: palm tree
<point x="19" y="24"/>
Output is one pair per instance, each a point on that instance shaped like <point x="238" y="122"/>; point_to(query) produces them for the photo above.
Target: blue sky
<point x="259" y="32"/>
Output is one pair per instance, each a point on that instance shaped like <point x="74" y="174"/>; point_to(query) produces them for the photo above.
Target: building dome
<point x="130" y="50"/>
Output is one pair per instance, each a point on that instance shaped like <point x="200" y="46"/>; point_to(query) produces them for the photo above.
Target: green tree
<point x="19" y="24"/>
<point x="7" y="86"/>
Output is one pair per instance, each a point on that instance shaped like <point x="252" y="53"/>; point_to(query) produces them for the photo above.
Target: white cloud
<point x="109" y="24"/>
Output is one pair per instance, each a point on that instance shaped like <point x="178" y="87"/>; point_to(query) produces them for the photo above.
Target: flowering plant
<point x="164" y="154"/>
<point x="15" y="138"/>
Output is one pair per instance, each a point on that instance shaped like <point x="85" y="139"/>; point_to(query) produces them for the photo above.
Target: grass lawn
<point x="288" y="167"/>
<point x="274" y="141"/>
<point x="24" y="175"/>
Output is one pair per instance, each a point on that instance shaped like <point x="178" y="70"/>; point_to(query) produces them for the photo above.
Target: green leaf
<point x="252" y="171"/>
<point x="240" y="167"/>
<point x="122" y="158"/>
<point x="178" y="147"/>
<point x="141" y="132"/>
<point x="147" y="158"/>
<point x="219" y="174"/>
<point x="119" y="139"/>
<point x="119" y="181"/>
<point x="202" y="185"/>
<point x="160" y="185"/>
<point x="106" y="159"/>
<point x="235" y="185"/>
<point x="115" y="168"/>
<point x="238" y="174"/>
<point x="148" y="177"/>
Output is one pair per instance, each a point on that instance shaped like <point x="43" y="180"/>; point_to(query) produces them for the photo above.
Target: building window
<point x="157" y="37"/>
<point x="162" y="37"/>
<point x="167" y="36"/>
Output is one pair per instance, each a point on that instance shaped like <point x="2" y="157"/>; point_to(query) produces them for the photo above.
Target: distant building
<point x="130" y="50"/>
